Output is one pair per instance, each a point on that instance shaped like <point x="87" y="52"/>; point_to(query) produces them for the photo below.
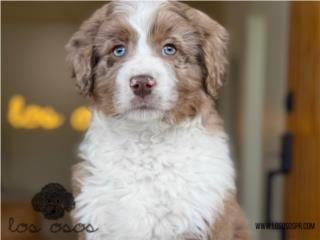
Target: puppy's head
<point x="149" y="60"/>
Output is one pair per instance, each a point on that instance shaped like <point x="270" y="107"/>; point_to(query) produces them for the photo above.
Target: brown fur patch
<point x="90" y="53"/>
<point x="232" y="224"/>
<point x="200" y="59"/>
<point x="81" y="51"/>
<point x="210" y="118"/>
<point x="202" y="34"/>
<point x="112" y="33"/>
<point x="171" y="27"/>
<point x="213" y="44"/>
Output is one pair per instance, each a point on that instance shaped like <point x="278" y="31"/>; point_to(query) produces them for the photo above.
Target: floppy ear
<point x="214" y="40"/>
<point x="81" y="54"/>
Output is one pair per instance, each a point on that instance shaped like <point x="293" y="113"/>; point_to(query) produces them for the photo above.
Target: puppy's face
<point x="149" y="60"/>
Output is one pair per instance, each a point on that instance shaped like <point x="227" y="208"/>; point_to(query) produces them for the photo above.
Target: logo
<point x="52" y="201"/>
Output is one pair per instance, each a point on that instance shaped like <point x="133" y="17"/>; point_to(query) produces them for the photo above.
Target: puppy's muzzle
<point x="142" y="85"/>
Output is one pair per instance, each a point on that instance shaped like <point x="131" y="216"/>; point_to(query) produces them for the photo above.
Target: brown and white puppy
<point x="156" y="160"/>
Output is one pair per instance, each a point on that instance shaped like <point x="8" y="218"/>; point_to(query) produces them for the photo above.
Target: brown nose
<point x="142" y="85"/>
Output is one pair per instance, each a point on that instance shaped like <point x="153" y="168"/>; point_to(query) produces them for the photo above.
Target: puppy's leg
<point x="232" y="223"/>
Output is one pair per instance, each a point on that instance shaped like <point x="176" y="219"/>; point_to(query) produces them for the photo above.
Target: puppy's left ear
<point x="80" y="49"/>
<point x="214" y="39"/>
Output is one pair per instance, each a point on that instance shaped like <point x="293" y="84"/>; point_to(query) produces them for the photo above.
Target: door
<point x="302" y="184"/>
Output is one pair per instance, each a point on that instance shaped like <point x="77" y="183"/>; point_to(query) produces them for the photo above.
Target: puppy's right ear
<point x="81" y="54"/>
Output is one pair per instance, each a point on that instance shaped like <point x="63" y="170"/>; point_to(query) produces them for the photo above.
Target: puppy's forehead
<point x="139" y="14"/>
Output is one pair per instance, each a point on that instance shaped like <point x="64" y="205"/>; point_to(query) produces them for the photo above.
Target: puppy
<point x="156" y="159"/>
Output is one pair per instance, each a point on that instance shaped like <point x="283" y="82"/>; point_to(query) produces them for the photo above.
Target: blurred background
<point x="270" y="105"/>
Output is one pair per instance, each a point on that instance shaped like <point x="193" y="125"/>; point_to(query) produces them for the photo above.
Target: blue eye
<point x="169" y="49"/>
<point x="119" y="51"/>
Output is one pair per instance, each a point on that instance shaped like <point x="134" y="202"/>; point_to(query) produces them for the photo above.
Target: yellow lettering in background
<point x="32" y="116"/>
<point x="80" y="118"/>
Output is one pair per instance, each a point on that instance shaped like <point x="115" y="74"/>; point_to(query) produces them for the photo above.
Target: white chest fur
<point x="152" y="182"/>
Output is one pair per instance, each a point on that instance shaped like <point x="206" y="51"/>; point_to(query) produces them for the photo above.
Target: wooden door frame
<point x="302" y="184"/>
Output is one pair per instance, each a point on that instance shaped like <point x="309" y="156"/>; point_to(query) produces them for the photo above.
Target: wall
<point x="33" y="65"/>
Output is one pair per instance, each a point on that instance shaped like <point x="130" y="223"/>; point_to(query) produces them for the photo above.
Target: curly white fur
<point x="149" y="180"/>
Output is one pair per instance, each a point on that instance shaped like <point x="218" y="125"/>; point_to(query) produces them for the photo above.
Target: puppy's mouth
<point x="147" y="103"/>
<point x="145" y="109"/>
